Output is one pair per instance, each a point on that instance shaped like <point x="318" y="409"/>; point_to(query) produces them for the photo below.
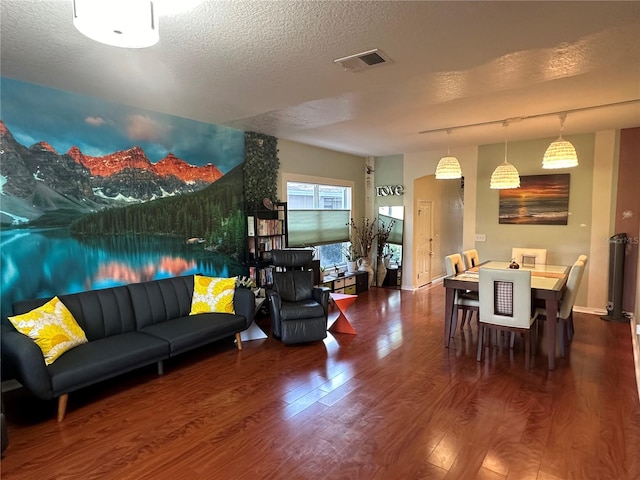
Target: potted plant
<point x="352" y="256"/>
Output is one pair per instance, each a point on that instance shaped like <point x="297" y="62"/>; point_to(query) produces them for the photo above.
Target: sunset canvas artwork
<point x="540" y="200"/>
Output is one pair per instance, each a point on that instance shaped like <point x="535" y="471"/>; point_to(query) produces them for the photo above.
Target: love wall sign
<point x="388" y="190"/>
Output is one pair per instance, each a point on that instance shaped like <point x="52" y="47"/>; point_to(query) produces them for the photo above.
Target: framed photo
<point x="540" y="200"/>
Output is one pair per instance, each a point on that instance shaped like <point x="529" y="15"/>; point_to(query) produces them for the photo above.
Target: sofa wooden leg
<point x="62" y="406"/>
<point x="239" y="341"/>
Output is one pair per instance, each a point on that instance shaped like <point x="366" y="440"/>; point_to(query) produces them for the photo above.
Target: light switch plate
<point x="481" y="237"/>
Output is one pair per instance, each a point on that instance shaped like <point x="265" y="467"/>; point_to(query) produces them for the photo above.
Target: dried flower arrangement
<point x="362" y="237"/>
<point x="384" y="231"/>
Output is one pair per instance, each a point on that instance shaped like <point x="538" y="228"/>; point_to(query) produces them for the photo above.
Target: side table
<point x="342" y="301"/>
<point x="254" y="332"/>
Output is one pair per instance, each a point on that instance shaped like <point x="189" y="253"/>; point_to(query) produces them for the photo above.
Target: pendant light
<point x="448" y="167"/>
<point x="561" y="153"/>
<point x="119" y="23"/>
<point x="505" y="175"/>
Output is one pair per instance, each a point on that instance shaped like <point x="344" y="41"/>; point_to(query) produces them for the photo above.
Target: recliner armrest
<point x="321" y="295"/>
<point x="275" y="303"/>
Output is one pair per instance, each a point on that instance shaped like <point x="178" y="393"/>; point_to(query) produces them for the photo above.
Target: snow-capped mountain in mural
<point x="35" y="180"/>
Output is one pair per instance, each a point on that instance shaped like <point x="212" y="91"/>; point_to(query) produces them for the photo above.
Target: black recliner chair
<point x="298" y="309"/>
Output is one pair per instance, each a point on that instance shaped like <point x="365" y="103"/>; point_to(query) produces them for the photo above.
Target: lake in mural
<point x="94" y="194"/>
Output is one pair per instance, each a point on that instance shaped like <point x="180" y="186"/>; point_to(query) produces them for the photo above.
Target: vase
<point x="352" y="267"/>
<point x="364" y="265"/>
<point x="381" y="273"/>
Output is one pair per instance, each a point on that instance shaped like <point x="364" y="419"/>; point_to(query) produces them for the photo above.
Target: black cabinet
<point x="393" y="277"/>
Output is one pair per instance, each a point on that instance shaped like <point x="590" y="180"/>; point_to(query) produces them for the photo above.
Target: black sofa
<point x="127" y="327"/>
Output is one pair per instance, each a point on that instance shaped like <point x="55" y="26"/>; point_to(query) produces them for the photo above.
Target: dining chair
<point x="529" y="257"/>
<point x="565" y="308"/>
<point x="505" y="304"/>
<point x="471" y="258"/>
<point x="463" y="300"/>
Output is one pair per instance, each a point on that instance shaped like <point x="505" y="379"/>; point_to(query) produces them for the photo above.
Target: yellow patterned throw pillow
<point x="212" y="294"/>
<point x="52" y="327"/>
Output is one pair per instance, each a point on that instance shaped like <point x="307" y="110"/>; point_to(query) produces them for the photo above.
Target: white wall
<point x="322" y="164"/>
<point x="418" y="165"/>
<point x="600" y="168"/>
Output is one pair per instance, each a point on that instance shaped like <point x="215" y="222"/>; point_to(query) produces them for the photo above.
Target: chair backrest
<point x="292" y="259"/>
<point x="529" y="257"/>
<point x="571" y="289"/>
<point x="583" y="258"/>
<point x="296" y="282"/>
<point x="471" y="258"/>
<point x="505" y="297"/>
<point x="294" y="285"/>
<point x="454" y="264"/>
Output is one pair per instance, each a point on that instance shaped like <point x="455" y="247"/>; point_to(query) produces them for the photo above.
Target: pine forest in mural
<point x="95" y="194"/>
<point x="540" y="200"/>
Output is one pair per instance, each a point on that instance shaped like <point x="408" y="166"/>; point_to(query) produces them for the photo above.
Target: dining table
<point x="547" y="285"/>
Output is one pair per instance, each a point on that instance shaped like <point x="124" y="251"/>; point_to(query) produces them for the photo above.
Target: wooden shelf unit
<point x="266" y="231"/>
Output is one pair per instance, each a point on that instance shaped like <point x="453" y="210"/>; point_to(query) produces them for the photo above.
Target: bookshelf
<point x="266" y="231"/>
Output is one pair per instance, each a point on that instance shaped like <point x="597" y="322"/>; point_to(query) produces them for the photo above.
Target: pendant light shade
<point x="119" y="23"/>
<point x="505" y="175"/>
<point x="448" y="167"/>
<point x="561" y="153"/>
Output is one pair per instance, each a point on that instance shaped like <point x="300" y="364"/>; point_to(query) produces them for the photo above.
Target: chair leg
<point x="464" y="318"/>
<point x="561" y="335"/>
<point x="480" y="337"/>
<point x="534" y="337"/>
<point x="512" y="340"/>
<point x="570" y="330"/>
<point x="527" y="349"/>
<point x="454" y="321"/>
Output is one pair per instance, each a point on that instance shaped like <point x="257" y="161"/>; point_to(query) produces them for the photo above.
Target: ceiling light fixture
<point x="505" y="175"/>
<point x="561" y="153"/>
<point x="119" y="23"/>
<point x="448" y="167"/>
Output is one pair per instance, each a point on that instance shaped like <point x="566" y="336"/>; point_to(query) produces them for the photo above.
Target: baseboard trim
<point x="592" y="311"/>
<point x="635" y="339"/>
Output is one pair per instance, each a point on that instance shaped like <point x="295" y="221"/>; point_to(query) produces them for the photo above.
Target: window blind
<point x="317" y="227"/>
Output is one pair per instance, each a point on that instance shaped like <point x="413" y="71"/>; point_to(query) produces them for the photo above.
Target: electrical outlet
<point x="481" y="237"/>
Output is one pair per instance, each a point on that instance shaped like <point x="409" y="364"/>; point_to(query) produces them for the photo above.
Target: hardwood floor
<point x="388" y="403"/>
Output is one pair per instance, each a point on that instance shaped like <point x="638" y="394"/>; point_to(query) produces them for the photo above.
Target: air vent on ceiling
<point x="360" y="61"/>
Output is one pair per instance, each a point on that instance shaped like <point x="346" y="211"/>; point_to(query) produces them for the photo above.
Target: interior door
<point x="423" y="225"/>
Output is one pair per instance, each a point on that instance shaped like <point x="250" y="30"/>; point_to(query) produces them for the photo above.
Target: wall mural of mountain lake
<point x="95" y="194"/>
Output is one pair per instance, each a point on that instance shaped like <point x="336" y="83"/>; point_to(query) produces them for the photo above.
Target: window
<point x="319" y="214"/>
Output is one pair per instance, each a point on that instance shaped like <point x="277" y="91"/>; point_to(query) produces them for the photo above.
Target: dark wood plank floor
<point x="387" y="403"/>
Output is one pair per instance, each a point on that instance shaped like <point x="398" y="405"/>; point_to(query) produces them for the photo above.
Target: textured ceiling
<point x="268" y="66"/>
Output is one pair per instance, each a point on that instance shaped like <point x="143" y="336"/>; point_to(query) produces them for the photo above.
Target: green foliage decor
<point x="260" y="168"/>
